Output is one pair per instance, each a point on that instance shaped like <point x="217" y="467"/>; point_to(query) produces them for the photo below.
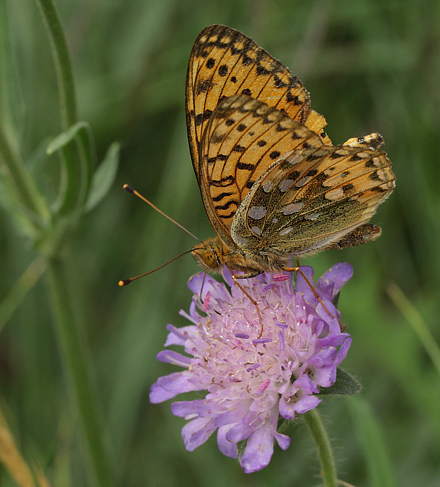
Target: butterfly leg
<point x="245" y="276"/>
<point x="201" y="289"/>
<point x="298" y="269"/>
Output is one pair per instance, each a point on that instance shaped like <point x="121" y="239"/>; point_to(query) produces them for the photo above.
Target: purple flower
<point x="253" y="372"/>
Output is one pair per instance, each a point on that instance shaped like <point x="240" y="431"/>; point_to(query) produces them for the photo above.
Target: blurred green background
<point x="370" y="65"/>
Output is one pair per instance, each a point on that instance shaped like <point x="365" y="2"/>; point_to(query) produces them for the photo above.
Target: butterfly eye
<point x="207" y="257"/>
<point x="212" y="259"/>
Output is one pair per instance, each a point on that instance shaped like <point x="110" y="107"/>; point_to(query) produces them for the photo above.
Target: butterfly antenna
<point x="125" y="282"/>
<point x="131" y="190"/>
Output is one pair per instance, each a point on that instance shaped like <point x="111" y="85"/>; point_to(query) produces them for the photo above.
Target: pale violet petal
<point x="227" y="447"/>
<point x="172" y="357"/>
<point x="196" y="432"/>
<point x="259" y="449"/>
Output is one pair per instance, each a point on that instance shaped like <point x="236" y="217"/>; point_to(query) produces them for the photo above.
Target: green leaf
<point x="69" y="135"/>
<point x="345" y="385"/>
<point x="78" y="156"/>
<point x="104" y="176"/>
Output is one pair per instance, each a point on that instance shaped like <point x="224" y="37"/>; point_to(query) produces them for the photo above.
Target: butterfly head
<point x="209" y="254"/>
<point x="214" y="253"/>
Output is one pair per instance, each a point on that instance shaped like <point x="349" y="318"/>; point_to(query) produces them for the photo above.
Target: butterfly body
<point x="273" y="185"/>
<point x="212" y="254"/>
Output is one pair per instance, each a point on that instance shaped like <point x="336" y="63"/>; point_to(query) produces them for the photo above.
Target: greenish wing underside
<point x="310" y="198"/>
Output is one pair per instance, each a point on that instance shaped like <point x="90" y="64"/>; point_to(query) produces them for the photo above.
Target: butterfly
<point x="272" y="183"/>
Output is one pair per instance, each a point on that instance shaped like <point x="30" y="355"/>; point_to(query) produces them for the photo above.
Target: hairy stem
<point x="323" y="447"/>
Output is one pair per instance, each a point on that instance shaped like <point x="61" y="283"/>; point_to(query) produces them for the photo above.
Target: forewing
<point x="225" y="62"/>
<point x="243" y="137"/>
<point x="309" y="199"/>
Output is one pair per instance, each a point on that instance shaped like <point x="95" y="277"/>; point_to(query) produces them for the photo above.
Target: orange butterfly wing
<point x="225" y="62"/>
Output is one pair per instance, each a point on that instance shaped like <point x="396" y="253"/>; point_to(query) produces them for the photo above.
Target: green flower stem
<point x="63" y="65"/>
<point x="25" y="189"/>
<point x="75" y="362"/>
<point x="323" y="446"/>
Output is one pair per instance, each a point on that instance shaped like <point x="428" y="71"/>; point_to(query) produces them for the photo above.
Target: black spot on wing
<point x="336" y="155"/>
<point x="223" y="70"/>
<point x="355" y="157"/>
<point x="312" y="158"/>
<point x="221" y="196"/>
<point x="202" y="117"/>
<point x="227" y="205"/>
<point x="292" y="98"/>
<point x="203" y="86"/>
<point x="228" y="216"/>
<point x="243" y="165"/>
<point x="223" y="182"/>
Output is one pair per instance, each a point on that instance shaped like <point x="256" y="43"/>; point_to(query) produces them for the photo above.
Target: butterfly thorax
<point x="213" y="254"/>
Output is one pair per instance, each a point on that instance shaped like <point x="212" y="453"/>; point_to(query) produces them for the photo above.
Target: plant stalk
<point x="63" y="64"/>
<point x="323" y="447"/>
<point x="76" y="366"/>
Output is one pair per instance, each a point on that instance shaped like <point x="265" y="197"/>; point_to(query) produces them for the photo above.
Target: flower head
<point x="252" y="377"/>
